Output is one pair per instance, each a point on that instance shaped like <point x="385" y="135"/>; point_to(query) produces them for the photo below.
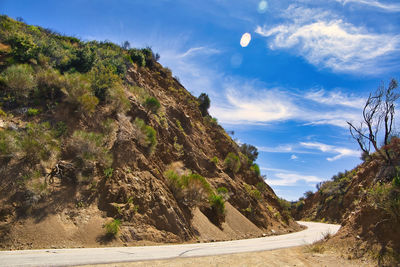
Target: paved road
<point x="64" y="257"/>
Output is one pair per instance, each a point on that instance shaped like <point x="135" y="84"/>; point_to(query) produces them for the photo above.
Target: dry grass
<point x="318" y="246"/>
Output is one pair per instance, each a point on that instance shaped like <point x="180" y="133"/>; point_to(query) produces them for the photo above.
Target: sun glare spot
<point x="262" y="6"/>
<point x="246" y="38"/>
<point x="236" y="60"/>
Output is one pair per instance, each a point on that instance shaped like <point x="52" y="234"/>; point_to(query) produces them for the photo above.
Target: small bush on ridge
<point x="232" y="162"/>
<point x="113" y="227"/>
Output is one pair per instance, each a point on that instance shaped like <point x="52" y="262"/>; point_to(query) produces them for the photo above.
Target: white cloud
<point x="290" y="179"/>
<point x="198" y="51"/>
<point x="327" y="41"/>
<point x="373" y="3"/>
<point x="335" y="98"/>
<point x="249" y="105"/>
<point x="254" y="107"/>
<point x="278" y="149"/>
<point x="282" y="177"/>
<point x="293" y="157"/>
<point x="340" y="151"/>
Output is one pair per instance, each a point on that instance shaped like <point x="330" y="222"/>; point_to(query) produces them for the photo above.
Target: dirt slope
<point x="366" y="201"/>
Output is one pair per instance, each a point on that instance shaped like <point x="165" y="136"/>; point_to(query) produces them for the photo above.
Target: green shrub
<point x="3" y="113"/>
<point x="38" y="143"/>
<point x="60" y="129"/>
<point x="19" y="80"/>
<point x="285" y="205"/>
<point x="137" y="57"/>
<point x="193" y="189"/>
<point x="113" y="228"/>
<point x="78" y="91"/>
<point x="150" y="134"/>
<point x="196" y="189"/>
<point x="88" y="147"/>
<point x="178" y="147"/>
<point x="256" y="169"/>
<point x="232" y="162"/>
<point x="108" y="172"/>
<point x="8" y="146"/>
<point x="23" y="47"/>
<point x="308" y="194"/>
<point x="174" y="181"/>
<point x="223" y="192"/>
<point x="254" y="193"/>
<point x="249" y="151"/>
<point x="152" y="104"/>
<point x="102" y="79"/>
<point x="204" y="103"/>
<point x="261" y="186"/>
<point x="194" y="177"/>
<point x="217" y="204"/>
<point x="85" y="59"/>
<point x="50" y="82"/>
<point x="215" y="160"/>
<point x="118" y="99"/>
<point x="396" y="180"/>
<point x="32" y="112"/>
<point x="149" y="56"/>
<point x="386" y="197"/>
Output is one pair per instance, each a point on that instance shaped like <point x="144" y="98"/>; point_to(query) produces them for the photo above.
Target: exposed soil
<point x="368" y="214"/>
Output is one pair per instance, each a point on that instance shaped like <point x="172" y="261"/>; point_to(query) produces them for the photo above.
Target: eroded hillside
<point x="100" y="145"/>
<point x="366" y="202"/>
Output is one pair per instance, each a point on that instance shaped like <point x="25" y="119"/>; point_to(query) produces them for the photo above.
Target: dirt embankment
<point x="366" y="202"/>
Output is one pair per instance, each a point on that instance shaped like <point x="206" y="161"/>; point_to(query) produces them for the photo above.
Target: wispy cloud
<point x="335" y="98"/>
<point x="311" y="148"/>
<point x="282" y="177"/>
<point x="340" y="151"/>
<point x="202" y="50"/>
<point x="327" y="41"/>
<point x="389" y="7"/>
<point x="291" y="179"/>
<point x="278" y="149"/>
<point x="251" y="105"/>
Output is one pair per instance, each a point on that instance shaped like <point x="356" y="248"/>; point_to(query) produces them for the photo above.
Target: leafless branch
<point x="379" y="109"/>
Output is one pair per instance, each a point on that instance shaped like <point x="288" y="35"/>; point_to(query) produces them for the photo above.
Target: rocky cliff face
<point x="94" y="135"/>
<point x="366" y="202"/>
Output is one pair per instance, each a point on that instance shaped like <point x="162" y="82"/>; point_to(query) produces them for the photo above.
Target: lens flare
<point x="262" y="6"/>
<point x="245" y="40"/>
<point x="236" y="60"/>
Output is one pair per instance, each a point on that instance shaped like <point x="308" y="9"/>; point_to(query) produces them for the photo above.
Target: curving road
<point x="82" y="256"/>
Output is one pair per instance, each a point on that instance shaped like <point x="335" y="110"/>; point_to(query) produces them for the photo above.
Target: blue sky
<point x="308" y="67"/>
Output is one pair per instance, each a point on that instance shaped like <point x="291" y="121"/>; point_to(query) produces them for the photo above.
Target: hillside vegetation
<point x="366" y="202"/>
<point x="100" y="144"/>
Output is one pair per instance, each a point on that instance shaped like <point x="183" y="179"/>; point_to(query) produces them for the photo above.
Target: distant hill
<point x="101" y="145"/>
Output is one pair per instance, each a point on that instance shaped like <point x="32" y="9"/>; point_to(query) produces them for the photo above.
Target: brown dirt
<point x="236" y="226"/>
<point x="367" y="230"/>
<point x="283" y="257"/>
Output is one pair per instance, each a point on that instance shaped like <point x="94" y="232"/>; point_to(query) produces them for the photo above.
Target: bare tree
<point x="378" y="115"/>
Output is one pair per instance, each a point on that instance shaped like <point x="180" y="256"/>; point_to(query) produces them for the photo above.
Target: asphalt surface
<point x="82" y="256"/>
